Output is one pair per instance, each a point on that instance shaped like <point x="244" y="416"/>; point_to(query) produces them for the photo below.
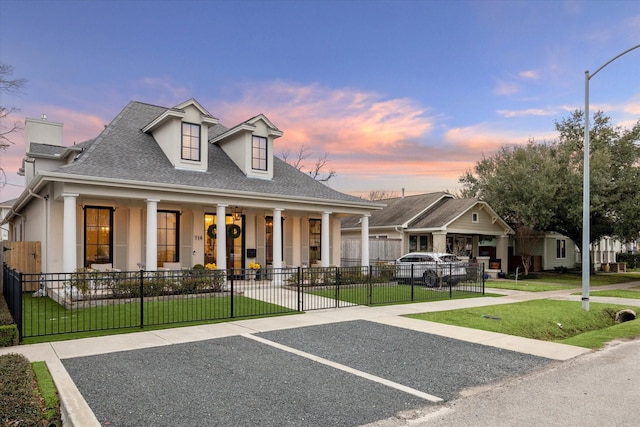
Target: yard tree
<point x="539" y="184"/>
<point x="319" y="169"/>
<point x="8" y="85"/>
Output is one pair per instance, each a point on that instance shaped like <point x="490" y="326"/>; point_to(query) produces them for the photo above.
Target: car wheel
<point x="431" y="279"/>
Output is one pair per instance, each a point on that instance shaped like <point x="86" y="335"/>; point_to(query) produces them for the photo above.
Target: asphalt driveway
<point x="347" y="374"/>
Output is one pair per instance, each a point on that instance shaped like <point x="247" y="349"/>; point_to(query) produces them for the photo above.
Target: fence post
<point x="369" y="268"/>
<point x="451" y="281"/>
<point x="337" y="279"/>
<point x="141" y="299"/>
<point x="411" y="281"/>
<point x="231" y="298"/>
<point x="299" y="288"/>
<point x="483" y="278"/>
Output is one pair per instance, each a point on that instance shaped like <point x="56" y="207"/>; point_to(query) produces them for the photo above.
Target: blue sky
<point x="398" y="94"/>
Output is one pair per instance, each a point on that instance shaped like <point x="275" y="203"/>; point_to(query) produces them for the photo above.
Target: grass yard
<point x="548" y="320"/>
<point x="550" y="282"/>
<point x="394" y="294"/>
<point x="43" y="316"/>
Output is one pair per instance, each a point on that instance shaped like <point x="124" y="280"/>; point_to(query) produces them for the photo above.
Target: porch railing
<point x="89" y="300"/>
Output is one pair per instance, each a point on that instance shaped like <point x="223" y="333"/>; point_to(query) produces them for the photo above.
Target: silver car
<point x="430" y="268"/>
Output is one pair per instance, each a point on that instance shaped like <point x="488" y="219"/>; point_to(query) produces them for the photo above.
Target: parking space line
<point x="344" y="368"/>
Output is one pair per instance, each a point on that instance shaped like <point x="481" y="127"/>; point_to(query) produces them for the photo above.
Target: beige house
<point x="168" y="187"/>
<point x="434" y="222"/>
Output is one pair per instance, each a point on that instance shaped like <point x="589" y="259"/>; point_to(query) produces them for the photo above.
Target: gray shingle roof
<point x="398" y="210"/>
<point x="122" y="151"/>
<point x="431" y="210"/>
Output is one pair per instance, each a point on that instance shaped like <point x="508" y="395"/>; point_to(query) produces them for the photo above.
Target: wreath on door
<point x="233" y="231"/>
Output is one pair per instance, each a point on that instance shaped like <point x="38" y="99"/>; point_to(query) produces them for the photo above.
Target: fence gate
<point x="24" y="257"/>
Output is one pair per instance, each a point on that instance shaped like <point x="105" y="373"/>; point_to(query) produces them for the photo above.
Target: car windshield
<point x="449" y="258"/>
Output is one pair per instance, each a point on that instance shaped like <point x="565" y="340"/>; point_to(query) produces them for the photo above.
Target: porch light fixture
<point x="586" y="233"/>
<point x="237" y="213"/>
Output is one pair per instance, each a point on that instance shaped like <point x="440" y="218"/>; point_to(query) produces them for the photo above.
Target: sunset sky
<point x="398" y="94"/>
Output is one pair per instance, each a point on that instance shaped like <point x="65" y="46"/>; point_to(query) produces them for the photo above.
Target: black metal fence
<point x="89" y="300"/>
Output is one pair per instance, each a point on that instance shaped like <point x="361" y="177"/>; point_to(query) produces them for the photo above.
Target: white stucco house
<point x="158" y="185"/>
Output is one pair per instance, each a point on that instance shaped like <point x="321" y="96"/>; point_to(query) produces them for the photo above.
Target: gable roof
<point x="431" y="211"/>
<point x="125" y="155"/>
<point x="399" y="211"/>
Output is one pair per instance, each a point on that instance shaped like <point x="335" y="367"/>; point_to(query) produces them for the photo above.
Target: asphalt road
<point x="596" y="389"/>
<point x="339" y="374"/>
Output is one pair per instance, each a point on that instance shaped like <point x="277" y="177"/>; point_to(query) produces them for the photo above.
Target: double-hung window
<point x="259" y="153"/>
<point x="561" y="248"/>
<point x="190" y="142"/>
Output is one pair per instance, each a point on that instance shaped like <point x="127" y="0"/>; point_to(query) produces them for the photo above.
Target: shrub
<point x="8" y="329"/>
<point x="5" y="315"/>
<point x="632" y="260"/>
<point x="20" y="402"/>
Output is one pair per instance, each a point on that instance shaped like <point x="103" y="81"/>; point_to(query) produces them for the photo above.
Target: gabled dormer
<point x="250" y="146"/>
<point x="182" y="133"/>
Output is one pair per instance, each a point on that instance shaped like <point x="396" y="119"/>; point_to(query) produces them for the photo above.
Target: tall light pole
<point x="586" y="238"/>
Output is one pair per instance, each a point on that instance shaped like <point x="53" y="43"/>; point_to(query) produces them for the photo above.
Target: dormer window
<point x="259" y="153"/>
<point x="190" y="142"/>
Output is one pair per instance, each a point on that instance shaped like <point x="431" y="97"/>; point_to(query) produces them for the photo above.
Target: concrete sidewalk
<point x="76" y="412"/>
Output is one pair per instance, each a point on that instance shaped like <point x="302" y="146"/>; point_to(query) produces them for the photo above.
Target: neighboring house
<point x="549" y="250"/>
<point x="160" y="186"/>
<point x="435" y="222"/>
<point x="5" y="207"/>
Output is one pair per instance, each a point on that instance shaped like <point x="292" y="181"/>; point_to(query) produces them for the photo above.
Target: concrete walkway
<point x="76" y="412"/>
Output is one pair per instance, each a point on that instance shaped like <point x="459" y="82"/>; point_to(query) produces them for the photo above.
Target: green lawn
<point x="549" y="320"/>
<point x="394" y="294"/>
<point x="43" y="316"/>
<point x="549" y="281"/>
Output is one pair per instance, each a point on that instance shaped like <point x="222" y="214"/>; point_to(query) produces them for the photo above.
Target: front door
<point x="234" y="235"/>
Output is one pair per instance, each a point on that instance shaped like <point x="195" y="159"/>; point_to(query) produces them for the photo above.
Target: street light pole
<point x="586" y="232"/>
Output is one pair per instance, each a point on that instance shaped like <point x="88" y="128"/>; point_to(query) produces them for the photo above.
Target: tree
<point x="317" y="171"/>
<point x="375" y="195"/>
<point x="8" y="85"/>
<point x="540" y="184"/>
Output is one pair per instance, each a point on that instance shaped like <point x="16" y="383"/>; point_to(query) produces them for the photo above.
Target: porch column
<point x="365" y="241"/>
<point x="324" y="236"/>
<point x="69" y="251"/>
<point x="439" y="241"/>
<point x="502" y="251"/>
<point x="221" y="237"/>
<point x="151" y="259"/>
<point x="277" y="238"/>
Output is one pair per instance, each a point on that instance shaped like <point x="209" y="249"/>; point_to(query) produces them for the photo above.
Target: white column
<point x="221" y="237"/>
<point x="134" y="239"/>
<point x="151" y="259"/>
<point x="277" y="238"/>
<point x="502" y="251"/>
<point x="324" y="253"/>
<point x="439" y="241"/>
<point x="364" y="254"/>
<point x="69" y="252"/>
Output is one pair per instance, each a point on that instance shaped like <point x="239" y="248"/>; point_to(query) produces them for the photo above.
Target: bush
<point x="632" y="260"/>
<point x="8" y="329"/>
<point x="21" y="403"/>
<point x="5" y="315"/>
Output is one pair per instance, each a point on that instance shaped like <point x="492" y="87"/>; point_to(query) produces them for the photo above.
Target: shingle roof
<point x="398" y="211"/>
<point x="430" y="210"/>
<point x="122" y="151"/>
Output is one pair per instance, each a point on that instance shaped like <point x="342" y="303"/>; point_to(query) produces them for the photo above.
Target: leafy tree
<point x="540" y="184"/>
<point x="8" y="85"/>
